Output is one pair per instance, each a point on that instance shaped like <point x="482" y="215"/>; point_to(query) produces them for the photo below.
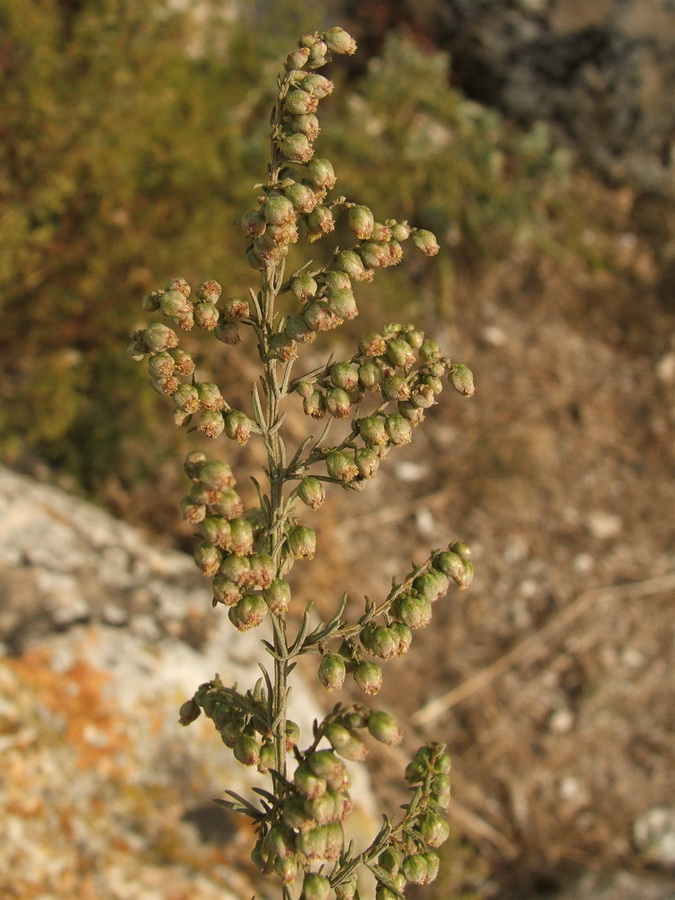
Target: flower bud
<point x="317" y="85"/>
<point x="433" y="863"/>
<point x="188" y="712"/>
<point x="301" y="196"/>
<point x="440" y="790"/>
<point x="315" y="887"/>
<point x="433" y="829"/>
<point x="341" y="466"/>
<point x="314" y="405"/>
<point x="370" y="376"/>
<point x="248" y="613"/>
<point x="398" y="429"/>
<point x="374" y="255"/>
<point x="298" y="330"/>
<point x="332" y="671"/>
<point x="395" y="387"/>
<point x="311" y="491"/>
<point x="413" y="610"/>
<point x="390" y="860"/>
<point x="292" y="735"/>
<point x="183" y="362"/>
<point x="367" y="462"/>
<point x="278" y="210"/>
<point x="159" y="337"/>
<point x="308" y="783"/>
<point x="422" y="396"/>
<point x="461" y="378"/>
<point x="161" y="365"/>
<point x="286" y="869"/>
<point x="383" y="728"/>
<point x="351" y="263"/>
<point x="210" y="396"/>
<point x="216" y="530"/>
<point x="296" y="59"/>
<point x="361" y="220"/>
<point x="428" y="586"/>
<point x="410" y="412"/>
<point x="225" y="591"/>
<point x="342" y="375"/>
<point x="326" y="765"/>
<point x="312" y="842"/>
<point x="320" y="173"/>
<point x="296" y="148"/>
<point x="430" y="351"/>
<point x="319" y="317"/>
<point x="346" y="742"/>
<point x="466" y="578"/>
<point x="449" y="564"/>
<point x="339" y="41"/>
<point x="335" y="840"/>
<point x="425" y="241"/>
<point x="194" y="463"/>
<point x="381" y="233"/>
<point x="208" y="558"/>
<point x="238" y="426"/>
<point x="372" y="431"/>
<point x="236" y="568"/>
<point x="262" y="570"/>
<point x="399" y="353"/>
<point x="254" y="224"/>
<point x="372" y="344"/>
<point x="382" y="892"/>
<point x="192" y="512"/>
<point x="150" y="302"/>
<point x="415" y="868"/>
<point x="247" y="750"/>
<point x="299" y="102"/>
<point x="278" y="596"/>
<point x="403" y="637"/>
<point x="174" y="304"/>
<point x="400" y="231"/>
<point x="347" y="890"/>
<point x="338" y="403"/>
<point x="241" y="537"/>
<point x="308" y="126"/>
<point x="228" y="333"/>
<point x="186" y="398"/>
<point x="302" y="542"/>
<point x="342" y="304"/>
<point x="210" y="423"/>
<point x="206" y="316"/>
<point x="378" y="640"/>
<point x="320" y="221"/>
<point x="304" y="287"/>
<point x="318" y="55"/>
<point x="368" y="677"/>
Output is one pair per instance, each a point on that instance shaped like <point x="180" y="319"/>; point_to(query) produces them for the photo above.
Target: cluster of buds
<point x="407" y="607"/>
<point x="241" y="722"/>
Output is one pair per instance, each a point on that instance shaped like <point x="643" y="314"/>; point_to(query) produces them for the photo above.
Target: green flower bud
<point x="216" y="530"/>
<point x="180" y="285"/>
<point x="339" y="41"/>
<point x="188" y="712"/>
<point x="367" y="462"/>
<point x="301" y="196"/>
<point x="304" y="287"/>
<point x="161" y="365"/>
<point x="403" y="637"/>
<point x="210" y="423"/>
<point x="326" y="765"/>
<point x="236" y="568"/>
<point x="194" y="463"/>
<point x="206" y="316"/>
<point x="295" y="814"/>
<point x="208" y="558"/>
<point x="372" y="431"/>
<point x="292" y="735"/>
<point x="210" y="396"/>
<point x="467" y="577"/>
<point x="248" y="613"/>
<point x="332" y="671"/>
<point x="150" y="302"/>
<point x="247" y="750"/>
<point x="312" y="842"/>
<point x="335" y="840"/>
<point x="174" y="304"/>
<point x="378" y="640"/>
<point x="296" y="148"/>
<point x="278" y="210"/>
<point x="192" y="512"/>
<point x="302" y="542"/>
<point x="368" y="677"/>
<point x="342" y="304"/>
<point x="341" y="466"/>
<point x="287" y="869"/>
<point x="422" y="396"/>
<point x="296" y="59"/>
<point x="415" y="869"/>
<point x="338" y="403"/>
<point x="320" y="221"/>
<point x="410" y="412"/>
<point x="425" y="241"/>
<point x="236" y="309"/>
<point x="186" y="398"/>
<point x="398" y="429"/>
<point x="336" y="280"/>
<point x="382" y="892"/>
<point x="320" y="173"/>
<point x="413" y="610"/>
<point x="298" y="330"/>
<point x="279" y="842"/>
<point x="374" y="255"/>
<point x="238" y="426"/>
<point x="440" y="790"/>
<point x="395" y="387"/>
<point x="429" y="351"/>
<point x="299" y="102"/>
<point x="278" y="596"/>
<point x="320" y="317"/>
<point x="254" y="224"/>
<point x="308" y="126"/>
<point x="228" y="333"/>
<point x="311" y="491"/>
<point x="400" y="231"/>
<point x="428" y="586"/>
<point x="400" y="353"/>
<point x="433" y="864"/>
<point x="449" y="564"/>
<point x="461" y="378"/>
<point x="370" y="376"/>
<point x="350" y="262"/>
<point x="433" y="829"/>
<point x="342" y="375"/>
<point x="315" y="887"/>
<point x="226" y="503"/>
<point x="241" y="537"/>
<point x="346" y="742"/>
<point x="318" y="55"/>
<point x="309" y="784"/>
<point x="348" y="889"/>
<point x="262" y="570"/>
<point x="361" y="221"/>
<point x="372" y="344"/>
<point x="390" y="860"/>
<point x="317" y="85"/>
<point x="383" y="728"/>
<point x="209" y="291"/>
<point x="461" y="549"/>
<point x="225" y="591"/>
<point x="158" y="337"/>
<point x="183" y="362"/>
<point x="381" y="233"/>
<point x="314" y="405"/>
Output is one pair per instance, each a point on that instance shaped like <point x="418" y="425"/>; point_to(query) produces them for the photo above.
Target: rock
<point x="105" y="794"/>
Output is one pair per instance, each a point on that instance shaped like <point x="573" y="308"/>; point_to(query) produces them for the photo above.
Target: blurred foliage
<point x="133" y="132"/>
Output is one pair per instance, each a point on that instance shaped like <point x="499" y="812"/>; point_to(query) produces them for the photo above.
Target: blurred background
<point x="536" y="138"/>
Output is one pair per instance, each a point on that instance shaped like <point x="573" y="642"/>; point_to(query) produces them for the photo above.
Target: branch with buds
<point x="384" y="390"/>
